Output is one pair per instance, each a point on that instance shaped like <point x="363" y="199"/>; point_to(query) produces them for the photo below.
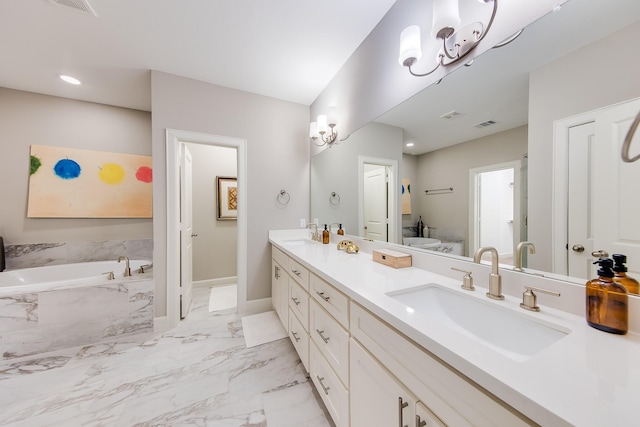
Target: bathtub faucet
<point x="127" y="270"/>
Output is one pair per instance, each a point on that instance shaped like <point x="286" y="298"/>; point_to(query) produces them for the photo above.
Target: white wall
<point x="28" y="118"/>
<point x="409" y="169"/>
<point x="215" y="247"/>
<point x="598" y="75"/>
<point x="449" y="167"/>
<point x="277" y="158"/>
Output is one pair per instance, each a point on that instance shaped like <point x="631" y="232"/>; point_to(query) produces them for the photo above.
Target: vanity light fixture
<point x="456" y="42"/>
<point x="324" y="128"/>
<point x="70" y="80"/>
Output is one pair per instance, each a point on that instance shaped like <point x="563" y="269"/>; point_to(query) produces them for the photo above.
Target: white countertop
<point x="587" y="378"/>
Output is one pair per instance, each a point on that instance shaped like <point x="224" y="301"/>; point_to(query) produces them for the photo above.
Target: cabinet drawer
<point x="334" y="395"/>
<point x="331" y="339"/>
<point x="299" y="273"/>
<point x="299" y="303"/>
<point x="279" y="256"/>
<point x="334" y="301"/>
<point x="300" y="339"/>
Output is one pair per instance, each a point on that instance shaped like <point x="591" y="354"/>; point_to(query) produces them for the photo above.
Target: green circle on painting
<point x="35" y="165"/>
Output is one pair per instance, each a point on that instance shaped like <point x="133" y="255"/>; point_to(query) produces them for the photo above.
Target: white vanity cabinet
<point x="444" y="394"/>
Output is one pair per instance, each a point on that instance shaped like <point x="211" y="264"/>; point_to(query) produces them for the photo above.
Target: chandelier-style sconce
<point x="324" y="129"/>
<point x="456" y="42"/>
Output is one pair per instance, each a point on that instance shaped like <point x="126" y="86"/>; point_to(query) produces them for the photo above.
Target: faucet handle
<point x="530" y="300"/>
<point x="467" y="280"/>
<point x="110" y="275"/>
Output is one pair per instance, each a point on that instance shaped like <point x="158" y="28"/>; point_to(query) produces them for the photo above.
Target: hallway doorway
<point x="176" y="140"/>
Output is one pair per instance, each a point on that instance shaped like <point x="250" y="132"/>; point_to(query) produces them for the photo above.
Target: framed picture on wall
<point x="227" y="200"/>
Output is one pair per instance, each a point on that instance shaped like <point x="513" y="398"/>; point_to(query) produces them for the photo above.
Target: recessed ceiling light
<point x="70" y="80"/>
<point x="410" y="144"/>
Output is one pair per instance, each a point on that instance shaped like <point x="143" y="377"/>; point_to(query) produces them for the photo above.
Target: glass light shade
<point x="322" y="124"/>
<point x="445" y="15"/>
<point x="410" y="44"/>
<point x="313" y="130"/>
<point x="332" y="115"/>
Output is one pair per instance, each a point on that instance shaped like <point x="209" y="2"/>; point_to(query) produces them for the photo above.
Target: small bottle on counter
<point x="340" y="230"/>
<point x="620" y="271"/>
<point x="607" y="301"/>
<point x="325" y="235"/>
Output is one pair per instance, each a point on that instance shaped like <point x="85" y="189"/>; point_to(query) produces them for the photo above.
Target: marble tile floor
<point x="197" y="374"/>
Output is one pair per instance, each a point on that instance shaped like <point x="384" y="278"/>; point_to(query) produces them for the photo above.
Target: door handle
<point x="600" y="254"/>
<point x="577" y="248"/>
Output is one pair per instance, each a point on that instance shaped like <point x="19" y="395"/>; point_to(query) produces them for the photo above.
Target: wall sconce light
<point x="324" y="128"/>
<point x="456" y="43"/>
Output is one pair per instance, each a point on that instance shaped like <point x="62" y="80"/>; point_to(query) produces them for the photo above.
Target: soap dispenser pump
<point x="341" y="230"/>
<point x="607" y="301"/>
<point x="620" y="271"/>
<point x="325" y="235"/>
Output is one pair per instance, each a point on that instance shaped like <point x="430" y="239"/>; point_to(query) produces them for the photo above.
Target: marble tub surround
<point x="586" y="378"/>
<point x="199" y="373"/>
<point x="39" y="254"/>
<point x="48" y="320"/>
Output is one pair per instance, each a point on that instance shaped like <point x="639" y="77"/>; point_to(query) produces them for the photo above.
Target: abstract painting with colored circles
<point x="74" y="183"/>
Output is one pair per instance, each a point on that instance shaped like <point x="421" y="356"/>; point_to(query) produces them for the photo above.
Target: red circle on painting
<point x="144" y="174"/>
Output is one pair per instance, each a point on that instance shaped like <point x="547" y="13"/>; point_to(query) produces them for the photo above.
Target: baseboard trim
<point x="256" y="306"/>
<point x="222" y="281"/>
<point x="161" y="324"/>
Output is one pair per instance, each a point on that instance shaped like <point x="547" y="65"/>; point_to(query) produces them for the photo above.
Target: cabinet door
<point x="377" y="398"/>
<point x="280" y="292"/>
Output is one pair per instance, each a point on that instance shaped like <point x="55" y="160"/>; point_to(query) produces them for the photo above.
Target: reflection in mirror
<point x="501" y="109"/>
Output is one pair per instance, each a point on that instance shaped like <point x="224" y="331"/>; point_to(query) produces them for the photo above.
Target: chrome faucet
<point x="495" y="280"/>
<point x="522" y="245"/>
<point x="315" y="236"/>
<point x="127" y="270"/>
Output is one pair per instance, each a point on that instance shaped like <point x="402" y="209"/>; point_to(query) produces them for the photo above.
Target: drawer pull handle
<point x="323" y="296"/>
<point x="420" y="422"/>
<point x="295" y="300"/>
<point x="277" y="272"/>
<point x="295" y="336"/>
<point x="324" y="388"/>
<point x="296" y="272"/>
<point x="401" y="405"/>
<point x="321" y="333"/>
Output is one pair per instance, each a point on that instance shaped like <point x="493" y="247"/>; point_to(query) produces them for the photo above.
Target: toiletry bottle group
<point x="607" y="301"/>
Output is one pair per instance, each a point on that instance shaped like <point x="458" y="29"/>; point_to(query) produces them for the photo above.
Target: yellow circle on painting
<point x="111" y="173"/>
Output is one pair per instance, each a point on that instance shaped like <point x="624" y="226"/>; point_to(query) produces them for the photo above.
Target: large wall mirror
<point x="496" y="122"/>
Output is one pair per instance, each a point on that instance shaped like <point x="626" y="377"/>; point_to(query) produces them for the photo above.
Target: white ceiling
<point x="286" y="49"/>
<point x="496" y="86"/>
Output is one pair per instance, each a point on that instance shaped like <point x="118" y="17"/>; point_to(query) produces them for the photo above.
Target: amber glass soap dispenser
<point x="620" y="271"/>
<point x="607" y="301"/>
<point x="325" y="235"/>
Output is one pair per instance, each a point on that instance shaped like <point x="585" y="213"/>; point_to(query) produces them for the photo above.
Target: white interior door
<point x="375" y="204"/>
<point x="580" y="202"/>
<point x="186" y="231"/>
<point x="617" y="200"/>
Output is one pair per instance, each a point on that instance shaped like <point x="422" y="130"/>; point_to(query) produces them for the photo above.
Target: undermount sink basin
<point x="420" y="242"/>
<point x="505" y="330"/>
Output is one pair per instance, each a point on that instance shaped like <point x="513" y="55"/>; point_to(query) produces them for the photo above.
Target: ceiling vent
<point x="451" y="115"/>
<point x="485" y="124"/>
<point x="79" y="5"/>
